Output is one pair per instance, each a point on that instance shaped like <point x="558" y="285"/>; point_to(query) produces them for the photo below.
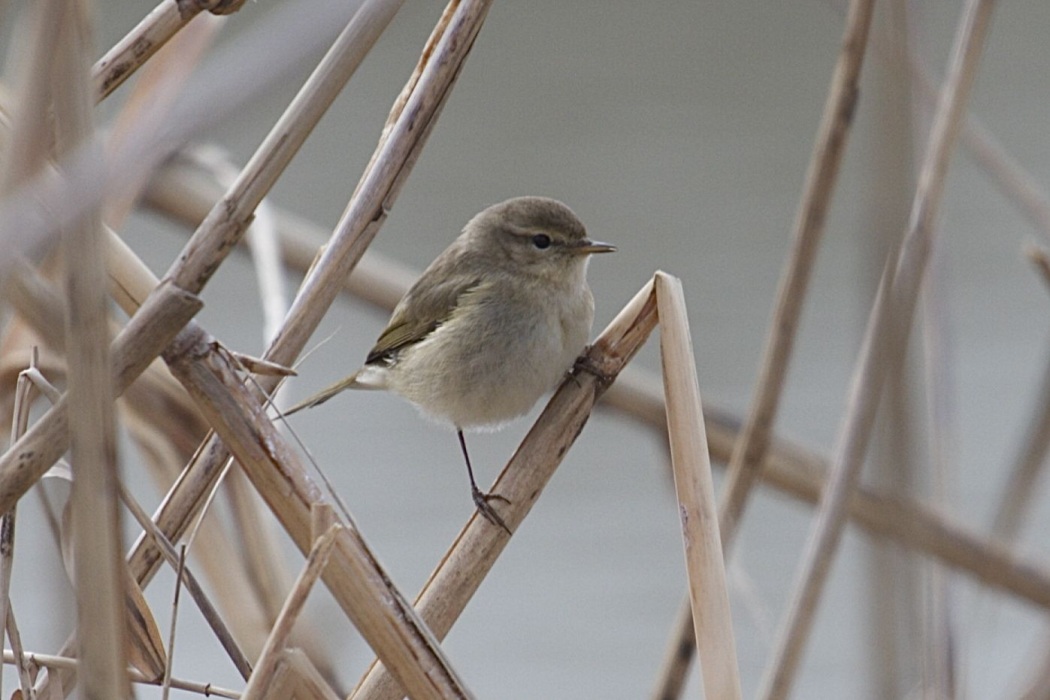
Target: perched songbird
<point x="494" y="322"/>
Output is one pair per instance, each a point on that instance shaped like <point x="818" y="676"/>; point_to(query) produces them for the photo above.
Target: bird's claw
<point x="584" y="363"/>
<point x="481" y="500"/>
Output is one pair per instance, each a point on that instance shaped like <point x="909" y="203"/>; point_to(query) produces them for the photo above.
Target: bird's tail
<point x="351" y="382"/>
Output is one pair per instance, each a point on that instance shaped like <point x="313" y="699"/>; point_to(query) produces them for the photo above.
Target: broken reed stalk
<point x="691" y="465"/>
<point x="473" y="553"/>
<point x="98" y="552"/>
<point x="882" y="350"/>
<point x="266" y="666"/>
<point x="788" y="467"/>
<point x="808" y="230"/>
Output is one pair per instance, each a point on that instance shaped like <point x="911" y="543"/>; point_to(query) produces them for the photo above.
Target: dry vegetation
<point x="199" y="411"/>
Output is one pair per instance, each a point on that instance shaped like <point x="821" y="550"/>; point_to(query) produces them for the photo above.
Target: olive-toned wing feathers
<point x="429" y="303"/>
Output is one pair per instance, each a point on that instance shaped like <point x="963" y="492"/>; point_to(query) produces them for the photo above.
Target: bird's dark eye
<point x="541" y="241"/>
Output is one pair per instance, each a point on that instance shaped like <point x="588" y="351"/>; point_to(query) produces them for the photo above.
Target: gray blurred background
<point x="681" y="131"/>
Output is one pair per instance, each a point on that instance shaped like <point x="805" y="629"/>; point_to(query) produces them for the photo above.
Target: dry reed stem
<point x="69" y="664"/>
<point x="691" y="465"/>
<point x="98" y="561"/>
<point x="788" y="466"/>
<point x="262" y="240"/>
<point x="475" y="550"/>
<point x="440" y="80"/>
<point x="266" y="666"/>
<point x="940" y="647"/>
<point x="882" y="349"/>
<point x="173" y="625"/>
<point x="895" y="625"/>
<point x="807" y="231"/>
<point x="148" y="37"/>
<point x="152" y="395"/>
<point x="145" y="646"/>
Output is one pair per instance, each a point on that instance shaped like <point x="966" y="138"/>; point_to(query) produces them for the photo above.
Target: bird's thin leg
<point x="481" y="499"/>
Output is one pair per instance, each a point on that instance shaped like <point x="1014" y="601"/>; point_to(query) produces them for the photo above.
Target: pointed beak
<point x="588" y="247"/>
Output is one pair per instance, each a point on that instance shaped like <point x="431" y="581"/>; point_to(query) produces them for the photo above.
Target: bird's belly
<point x="488" y="379"/>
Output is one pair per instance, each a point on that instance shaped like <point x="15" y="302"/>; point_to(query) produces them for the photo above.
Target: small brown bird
<point x="494" y="322"/>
